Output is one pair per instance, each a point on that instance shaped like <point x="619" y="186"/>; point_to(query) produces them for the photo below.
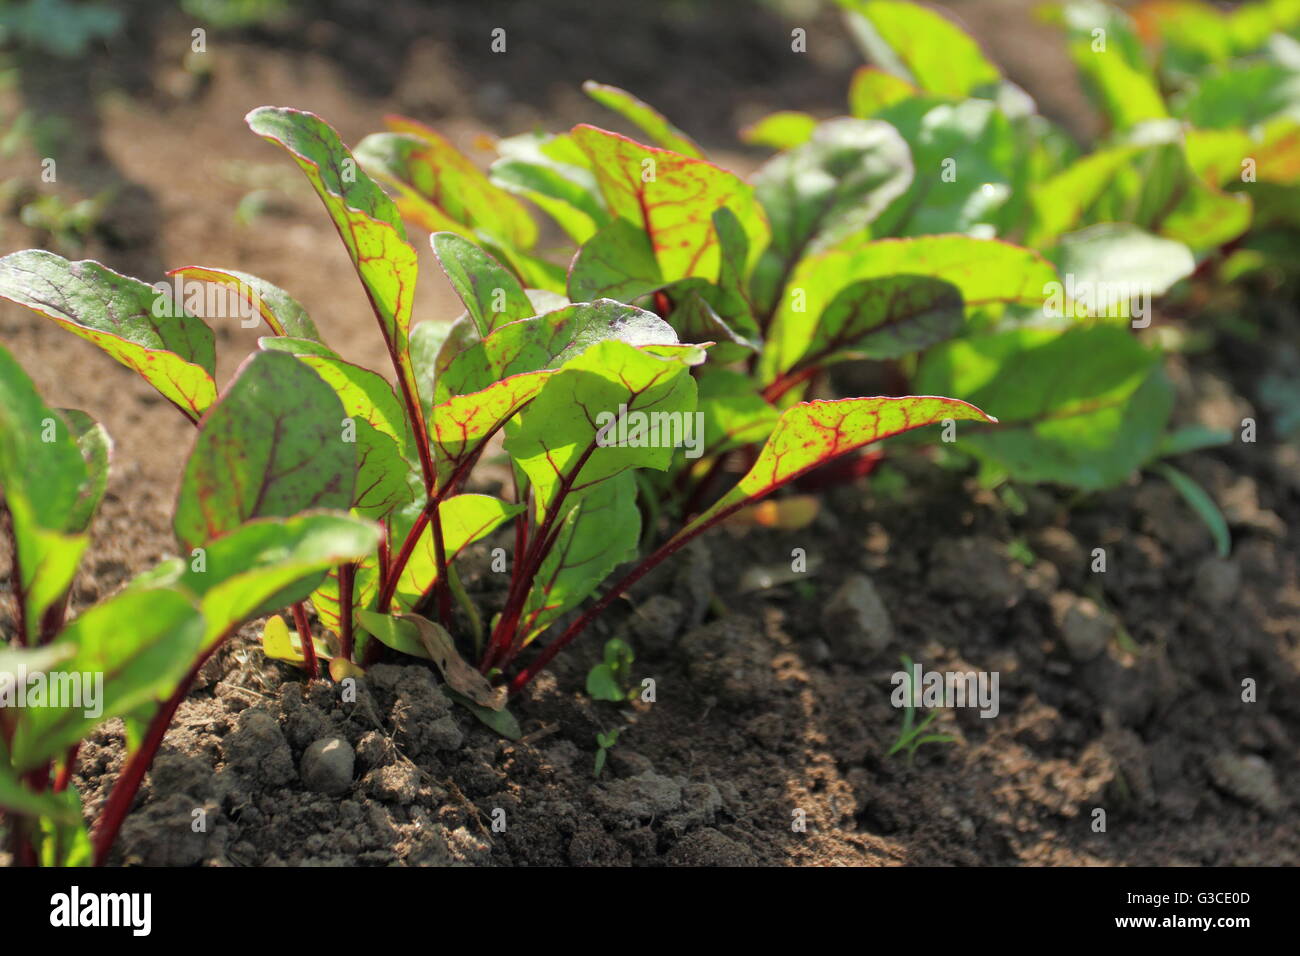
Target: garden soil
<point x="1122" y="736"/>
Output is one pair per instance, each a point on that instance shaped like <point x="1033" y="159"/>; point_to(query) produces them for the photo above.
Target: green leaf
<point x="644" y="116"/>
<point x="440" y="189"/>
<point x="385" y="447"/>
<point x="299" y="347"/>
<point x="672" y="197"/>
<point x="735" y="414"/>
<point x="732" y="300"/>
<point x="502" y="721"/>
<point x="1084" y="407"/>
<point x="553" y="173"/>
<point x="141" y="642"/>
<point x="885" y="318"/>
<point x="618" y="263"/>
<point x="1191" y="33"/>
<point x="459" y="427"/>
<point x="47" y="487"/>
<point x="281" y="311"/>
<point x="784" y="129"/>
<point x="919" y="45"/>
<point x="968" y="165"/>
<point x="271" y="447"/>
<point x="695" y="317"/>
<point x="1162" y="193"/>
<point x="813" y="433"/>
<point x="1180" y="441"/>
<point x="40" y="460"/>
<point x="1105" y="46"/>
<point x="597" y="534"/>
<point x="490" y="292"/>
<point x="268" y="564"/>
<point x="427" y="339"/>
<point x="96" y="448"/>
<point x="1201" y="503"/>
<point x="133" y="322"/>
<point x="1241" y="96"/>
<point x="1217" y="155"/>
<point x="549" y="340"/>
<point x="366" y="219"/>
<point x="385" y="444"/>
<point x="567" y="440"/>
<point x="987" y="272"/>
<point x="31" y="660"/>
<point x="465" y="519"/>
<point x="401" y="635"/>
<point x="872" y="89"/>
<point x="64" y="840"/>
<point x="833" y="186"/>
<point x="364" y="395"/>
<point x="601" y="685"/>
<point x="1124" y="259"/>
<point x="1060" y="202"/>
<point x="17" y="799"/>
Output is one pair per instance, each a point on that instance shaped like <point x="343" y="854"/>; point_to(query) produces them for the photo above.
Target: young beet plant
<point x="943" y="229"/>
<point x="312" y="479"/>
<point x="134" y="655"/>
<point x="827" y="256"/>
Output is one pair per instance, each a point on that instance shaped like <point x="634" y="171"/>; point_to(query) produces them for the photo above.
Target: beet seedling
<point x="842" y="247"/>
<point x="303" y="428"/>
<point x="944" y="229"/>
<point x="134" y="654"/>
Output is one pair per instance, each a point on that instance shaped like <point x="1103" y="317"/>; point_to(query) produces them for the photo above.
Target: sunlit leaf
<point x="133" y="322"/>
<point x="271" y="447"/>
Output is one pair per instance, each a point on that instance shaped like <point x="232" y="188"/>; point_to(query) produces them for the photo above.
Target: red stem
<point x="503" y="636"/>
<point x="69" y="765"/>
<point x="441" y="585"/>
<point x="385" y="553"/>
<point x="128" y="782"/>
<point x="414" y="413"/>
<point x="304" y="635"/>
<point x="404" y="555"/>
<point x="672" y="546"/>
<point x="347" y="577"/>
<point x="52" y="619"/>
<point x="663" y="304"/>
<point x="23" y="849"/>
<point x="388" y="586"/>
<point x="787" y="382"/>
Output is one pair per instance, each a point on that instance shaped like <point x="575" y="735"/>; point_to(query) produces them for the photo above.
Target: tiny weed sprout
<point x="605" y="741"/>
<point x="610" y="679"/>
<point x="674" y="362"/>
<point x="912" y="736"/>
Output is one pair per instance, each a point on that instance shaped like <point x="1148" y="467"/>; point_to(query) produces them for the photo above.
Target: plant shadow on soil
<point x="768" y="702"/>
